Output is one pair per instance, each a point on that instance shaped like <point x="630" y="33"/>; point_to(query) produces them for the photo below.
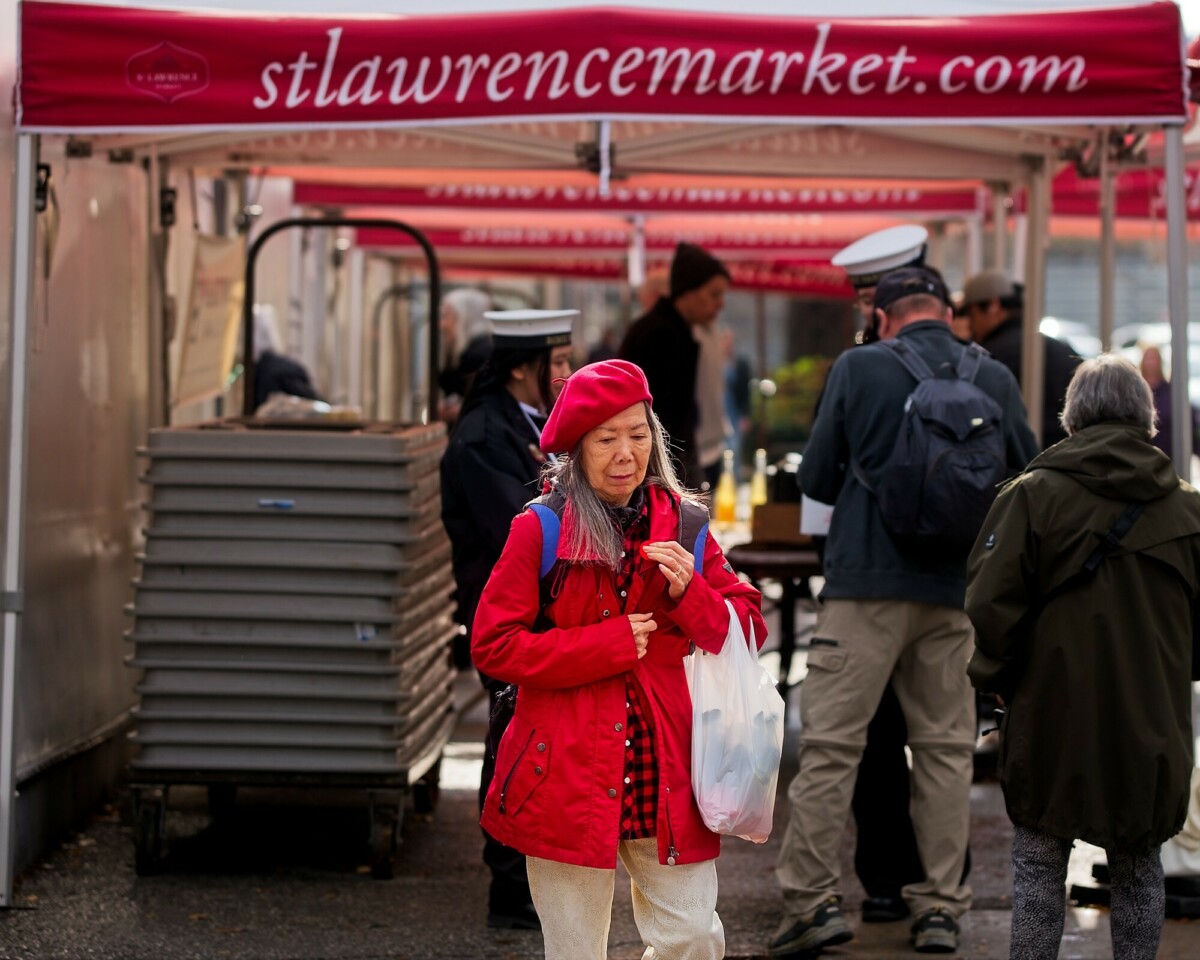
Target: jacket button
<point x="606" y="613"/>
<point x="541" y="748"/>
<point x="612" y="792"/>
<point x="670" y="861"/>
<point x="618" y="727"/>
<point x="538" y="771"/>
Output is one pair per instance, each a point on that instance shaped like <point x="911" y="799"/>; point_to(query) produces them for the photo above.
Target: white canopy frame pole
<point x="1181" y="420"/>
<point x="357" y="279"/>
<point x="12" y="599"/>
<point x="1033" y="354"/>
<point x="1108" y="243"/>
<point x="999" y="192"/>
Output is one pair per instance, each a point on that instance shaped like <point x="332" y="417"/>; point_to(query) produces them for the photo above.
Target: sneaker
<point x="824" y="927"/>
<point x="935" y="931"/>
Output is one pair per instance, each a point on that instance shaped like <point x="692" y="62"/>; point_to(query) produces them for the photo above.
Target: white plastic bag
<point x="737" y="736"/>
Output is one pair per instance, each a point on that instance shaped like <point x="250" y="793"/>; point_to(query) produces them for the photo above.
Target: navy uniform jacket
<point x="489" y="472"/>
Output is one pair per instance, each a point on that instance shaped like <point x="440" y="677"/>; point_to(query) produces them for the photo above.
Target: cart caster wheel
<point x="384" y="839"/>
<point x="149" y="830"/>
<point x="427" y="790"/>
<point x="221" y="800"/>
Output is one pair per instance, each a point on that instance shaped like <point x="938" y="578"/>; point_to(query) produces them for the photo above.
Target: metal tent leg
<point x="14" y="507"/>
<point x="1181" y="420"/>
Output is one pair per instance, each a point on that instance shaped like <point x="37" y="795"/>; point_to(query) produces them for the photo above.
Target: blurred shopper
<point x="1160" y="387"/>
<point x="605" y="348"/>
<point x="994" y="307"/>
<point x="713" y="428"/>
<point x="885" y="849"/>
<point x="662" y="343"/>
<point x="890" y="610"/>
<point x="274" y="371"/>
<point x="595" y="766"/>
<point x="466" y="343"/>
<point x="1082" y="590"/>
<point x="737" y="394"/>
<point x="489" y="472"/>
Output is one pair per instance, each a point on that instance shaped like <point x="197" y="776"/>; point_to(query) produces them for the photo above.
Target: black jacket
<point x="277" y="374"/>
<point x="661" y="343"/>
<point x="1004" y="343"/>
<point x="489" y="472"/>
<point x="861" y="413"/>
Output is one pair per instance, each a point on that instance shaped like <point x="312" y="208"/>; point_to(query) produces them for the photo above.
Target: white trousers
<point x="674" y="906"/>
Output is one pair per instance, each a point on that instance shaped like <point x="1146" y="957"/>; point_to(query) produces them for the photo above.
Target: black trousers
<point x="886" y="856"/>
<point x="510" y="882"/>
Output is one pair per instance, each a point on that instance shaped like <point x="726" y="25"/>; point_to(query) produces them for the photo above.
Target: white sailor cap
<point x="868" y="259"/>
<point x="529" y="329"/>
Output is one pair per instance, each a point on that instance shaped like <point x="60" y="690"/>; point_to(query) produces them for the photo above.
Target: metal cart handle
<point x="435" y="294"/>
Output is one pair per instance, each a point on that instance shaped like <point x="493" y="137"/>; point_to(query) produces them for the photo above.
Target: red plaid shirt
<point x="639" y="807"/>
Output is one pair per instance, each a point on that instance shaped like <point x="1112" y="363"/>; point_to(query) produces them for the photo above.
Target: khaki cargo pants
<point x="857" y="647"/>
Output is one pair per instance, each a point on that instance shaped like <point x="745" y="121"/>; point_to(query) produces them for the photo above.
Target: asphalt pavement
<point x="285" y="875"/>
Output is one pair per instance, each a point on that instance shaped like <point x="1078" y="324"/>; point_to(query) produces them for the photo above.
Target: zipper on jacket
<point x="671" y="851"/>
<point x="513" y="769"/>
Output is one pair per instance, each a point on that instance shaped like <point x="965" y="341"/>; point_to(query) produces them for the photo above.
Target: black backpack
<point x="948" y="459"/>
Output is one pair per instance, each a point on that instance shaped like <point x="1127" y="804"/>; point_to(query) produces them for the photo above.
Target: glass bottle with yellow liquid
<point x="725" y="501"/>
<point x="758" y="482"/>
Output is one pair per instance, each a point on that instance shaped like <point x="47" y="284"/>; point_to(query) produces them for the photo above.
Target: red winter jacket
<point x="557" y="792"/>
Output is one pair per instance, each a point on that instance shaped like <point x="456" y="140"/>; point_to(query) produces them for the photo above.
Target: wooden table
<point x="790" y="566"/>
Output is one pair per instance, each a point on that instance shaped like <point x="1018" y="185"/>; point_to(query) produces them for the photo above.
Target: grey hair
<point x="591" y="537"/>
<point x="1108" y="387"/>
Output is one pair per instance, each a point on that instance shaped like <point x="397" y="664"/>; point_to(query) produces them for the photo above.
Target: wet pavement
<point x="285" y="875"/>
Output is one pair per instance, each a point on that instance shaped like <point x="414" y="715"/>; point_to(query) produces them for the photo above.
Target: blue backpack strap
<point x="548" y="508"/>
<point x="693" y="530"/>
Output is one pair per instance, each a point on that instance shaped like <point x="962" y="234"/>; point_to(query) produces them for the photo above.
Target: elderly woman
<point x="1082" y="588"/>
<point x="595" y="763"/>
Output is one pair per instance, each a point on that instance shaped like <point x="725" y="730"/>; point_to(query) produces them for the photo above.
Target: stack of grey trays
<point x="292" y="617"/>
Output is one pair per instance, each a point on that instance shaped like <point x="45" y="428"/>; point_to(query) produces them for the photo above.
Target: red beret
<point x="591" y="396"/>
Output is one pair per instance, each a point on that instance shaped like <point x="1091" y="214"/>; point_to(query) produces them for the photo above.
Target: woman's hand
<point x="674" y="562"/>
<point x="643" y="625"/>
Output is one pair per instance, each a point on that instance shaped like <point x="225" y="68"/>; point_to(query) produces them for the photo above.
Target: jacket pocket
<point x="523" y="764"/>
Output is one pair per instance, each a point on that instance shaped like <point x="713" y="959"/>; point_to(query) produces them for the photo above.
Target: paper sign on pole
<point x="213" y="319"/>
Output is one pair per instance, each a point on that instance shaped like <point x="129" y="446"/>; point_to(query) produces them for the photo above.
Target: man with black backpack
<point x="913" y="434"/>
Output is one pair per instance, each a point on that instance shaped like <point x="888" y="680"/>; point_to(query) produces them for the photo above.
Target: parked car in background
<point x="1130" y="340"/>
<point x="1079" y="336"/>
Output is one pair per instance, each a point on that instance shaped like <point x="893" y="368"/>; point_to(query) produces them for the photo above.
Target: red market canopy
<point x="109" y="68"/>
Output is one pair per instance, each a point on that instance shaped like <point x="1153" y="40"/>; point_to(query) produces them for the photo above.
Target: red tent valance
<point x="96" y="68"/>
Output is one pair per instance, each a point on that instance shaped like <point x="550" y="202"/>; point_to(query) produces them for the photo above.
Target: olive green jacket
<point x="1096" y="743"/>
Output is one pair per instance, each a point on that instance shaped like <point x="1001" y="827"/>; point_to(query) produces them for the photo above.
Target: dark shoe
<point x="824" y="927"/>
<point x="935" y="931"/>
<point x="522" y="917"/>
<point x="884" y="909"/>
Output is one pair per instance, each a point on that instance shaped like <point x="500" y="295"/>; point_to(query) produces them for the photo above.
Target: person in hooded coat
<point x="1094" y="668"/>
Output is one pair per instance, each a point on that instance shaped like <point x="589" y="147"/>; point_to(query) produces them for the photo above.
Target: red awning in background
<point x="1139" y="194"/>
<point x="639" y="196"/>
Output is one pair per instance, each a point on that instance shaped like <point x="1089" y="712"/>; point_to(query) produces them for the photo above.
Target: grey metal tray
<point x="202" y="471"/>
<point x="227" y="439"/>
<point x="292" y="554"/>
<point x="279" y="760"/>
<point x="285" y="525"/>
<point x="344" y="581"/>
